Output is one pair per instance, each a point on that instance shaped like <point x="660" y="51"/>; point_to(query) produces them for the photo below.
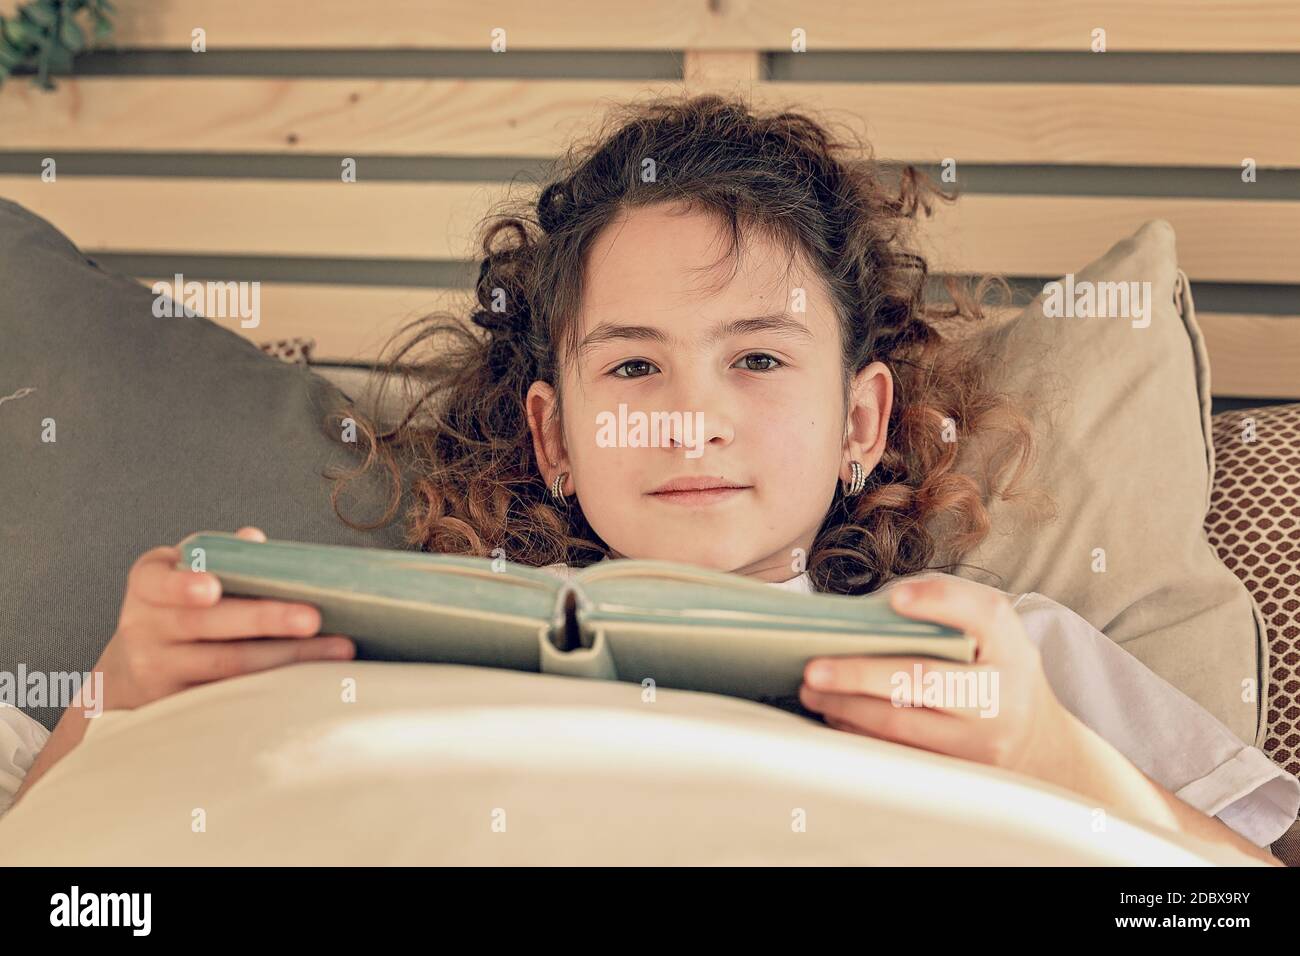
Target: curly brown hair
<point x="460" y="462"/>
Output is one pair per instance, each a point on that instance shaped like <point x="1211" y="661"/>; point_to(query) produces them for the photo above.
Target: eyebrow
<point x="778" y="323"/>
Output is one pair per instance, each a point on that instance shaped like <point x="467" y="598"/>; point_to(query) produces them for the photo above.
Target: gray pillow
<point x="162" y="426"/>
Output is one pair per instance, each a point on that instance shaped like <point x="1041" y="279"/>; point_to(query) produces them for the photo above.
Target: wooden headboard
<point x="225" y="164"/>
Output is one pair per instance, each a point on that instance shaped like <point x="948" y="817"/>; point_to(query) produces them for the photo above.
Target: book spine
<point x="569" y="651"/>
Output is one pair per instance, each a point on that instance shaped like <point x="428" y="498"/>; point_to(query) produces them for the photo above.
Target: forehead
<point x="667" y="265"/>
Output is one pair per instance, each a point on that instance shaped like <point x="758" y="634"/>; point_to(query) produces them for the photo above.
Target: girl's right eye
<point x="637" y="362"/>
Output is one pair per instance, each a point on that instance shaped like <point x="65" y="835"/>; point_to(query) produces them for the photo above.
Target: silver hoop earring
<point x="557" y="486"/>
<point x="857" y="481"/>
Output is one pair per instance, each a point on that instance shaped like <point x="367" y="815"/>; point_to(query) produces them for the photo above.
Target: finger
<point x="915" y="727"/>
<point x="156" y="580"/>
<point x="239" y="618"/>
<point x="164" y="554"/>
<point x="201" y="663"/>
<point x="900" y="679"/>
<point x="979" y="611"/>
<point x="204" y="589"/>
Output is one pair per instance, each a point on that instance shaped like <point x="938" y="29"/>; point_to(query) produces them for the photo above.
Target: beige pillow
<point x="1121" y="411"/>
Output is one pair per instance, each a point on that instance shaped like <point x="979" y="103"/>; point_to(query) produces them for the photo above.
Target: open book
<point x="628" y="619"/>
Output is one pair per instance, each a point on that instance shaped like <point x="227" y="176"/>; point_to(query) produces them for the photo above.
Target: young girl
<point x="745" y="271"/>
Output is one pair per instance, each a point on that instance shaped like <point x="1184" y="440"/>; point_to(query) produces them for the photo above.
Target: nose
<point x="706" y="416"/>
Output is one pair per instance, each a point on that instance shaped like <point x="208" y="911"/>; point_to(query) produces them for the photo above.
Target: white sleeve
<point x="21" y="739"/>
<point x="1166" y="734"/>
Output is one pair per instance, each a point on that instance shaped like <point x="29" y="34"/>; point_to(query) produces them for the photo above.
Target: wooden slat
<point x="350" y="323"/>
<point x="1218" y="240"/>
<point x="741" y="24"/>
<point x="1124" y="124"/>
<point x="260" y="217"/>
<point x="1076" y="123"/>
<point x="348" y="117"/>
<point x="1254" y="356"/>
<point x="1251" y="355"/>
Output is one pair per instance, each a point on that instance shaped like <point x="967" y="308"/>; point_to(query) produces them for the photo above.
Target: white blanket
<point x="441" y="764"/>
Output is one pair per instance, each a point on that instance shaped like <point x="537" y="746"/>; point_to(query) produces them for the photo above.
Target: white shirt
<point x="21" y="739"/>
<point x="1164" y="733"/>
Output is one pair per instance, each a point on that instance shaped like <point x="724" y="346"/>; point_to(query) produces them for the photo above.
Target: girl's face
<point x="751" y="366"/>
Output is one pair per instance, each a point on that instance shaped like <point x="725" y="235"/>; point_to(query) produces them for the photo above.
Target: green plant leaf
<point x="41" y="15"/>
<point x="72" y="37"/>
<point x="45" y="34"/>
<point x="8" y="42"/>
<point x="16" y="32"/>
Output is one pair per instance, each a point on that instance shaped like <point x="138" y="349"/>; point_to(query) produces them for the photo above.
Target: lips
<point x="698" y="491"/>
<point x="698" y="483"/>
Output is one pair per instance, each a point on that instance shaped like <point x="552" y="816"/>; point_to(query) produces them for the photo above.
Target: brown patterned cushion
<point x="1254" y="524"/>
<point x="296" y="351"/>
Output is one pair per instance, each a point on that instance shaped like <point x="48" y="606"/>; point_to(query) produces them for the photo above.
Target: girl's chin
<point x="715" y="559"/>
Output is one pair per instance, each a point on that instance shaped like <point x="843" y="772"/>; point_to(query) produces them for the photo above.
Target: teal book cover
<point x="678" y="625"/>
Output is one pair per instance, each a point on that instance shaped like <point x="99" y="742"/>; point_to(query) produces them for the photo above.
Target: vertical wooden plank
<point x="722" y="69"/>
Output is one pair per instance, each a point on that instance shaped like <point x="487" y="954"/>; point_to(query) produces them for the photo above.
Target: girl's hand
<point x="998" y="711"/>
<point x="176" y="631"/>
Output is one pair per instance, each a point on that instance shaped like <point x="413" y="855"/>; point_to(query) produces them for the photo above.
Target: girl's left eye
<point x="763" y="356"/>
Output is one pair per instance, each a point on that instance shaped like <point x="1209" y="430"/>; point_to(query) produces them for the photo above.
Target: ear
<point x="866" y="428"/>
<point x="540" y="406"/>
